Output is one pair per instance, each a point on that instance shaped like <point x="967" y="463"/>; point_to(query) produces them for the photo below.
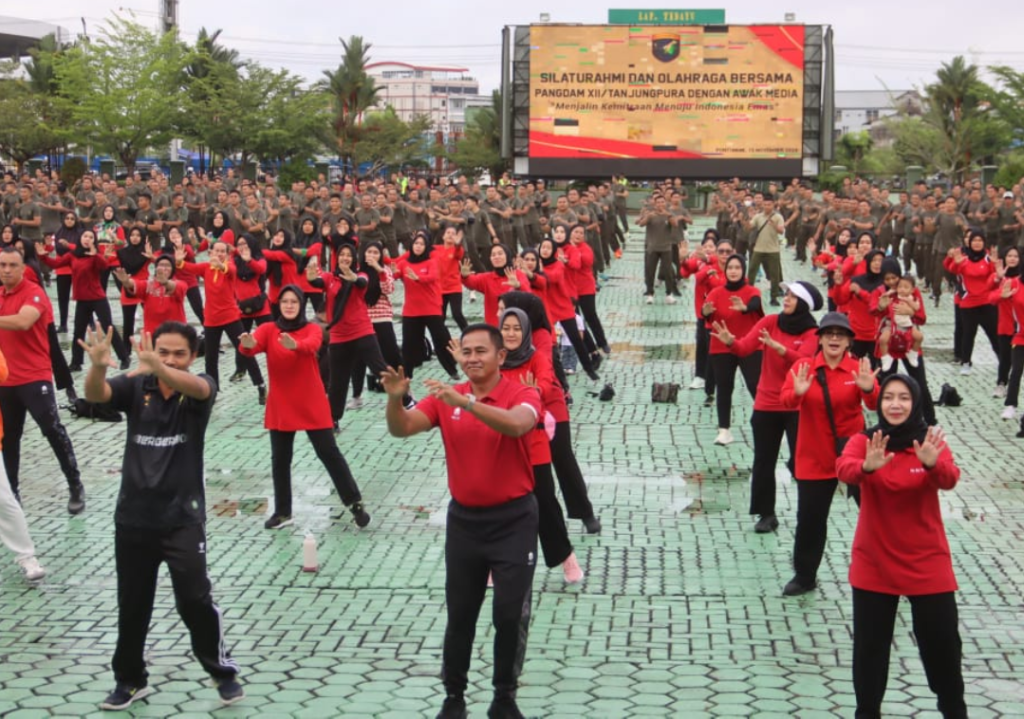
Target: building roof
<point x="18" y="35"/>
<point x="868" y="99"/>
<point x="426" y="68"/>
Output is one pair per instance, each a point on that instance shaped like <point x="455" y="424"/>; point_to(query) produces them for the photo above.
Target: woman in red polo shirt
<point x="586" y="287"/>
<point x="525" y="364"/>
<point x="704" y="264"/>
<point x="977" y="273"/>
<point x="297" y="402"/>
<point x="558" y="298"/>
<point x="1012" y="292"/>
<point x="250" y="280"/>
<point x="64" y="239"/>
<point x="1008" y="268"/>
<point x="782" y="339"/>
<point x="448" y="257"/>
<point x="736" y="307"/>
<point x="855" y="296"/>
<point x="87" y="265"/>
<point x="421" y="310"/>
<point x="134" y="259"/>
<point x="222" y="314"/>
<point x="900" y="548"/>
<point x="193" y="294"/>
<point x="498" y="281"/>
<point x="851" y="385"/>
<point x="284" y="264"/>
<point x="162" y="296"/>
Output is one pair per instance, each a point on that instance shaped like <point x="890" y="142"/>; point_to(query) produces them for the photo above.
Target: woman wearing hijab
<point x="306" y="236"/>
<point x="585" y="280"/>
<point x="109" y="233"/>
<point x="250" y="279"/>
<point x="900" y="548"/>
<point x="134" y="259"/>
<point x="380" y="284"/>
<point x="826" y="422"/>
<point x="491" y="285"/>
<point x="703" y="264"/>
<point x="977" y="275"/>
<point x="1008" y="268"/>
<point x="283" y="263"/>
<point x="523" y="363"/>
<point x="563" y="459"/>
<point x="86" y="264"/>
<point x="176" y="243"/>
<point x="421" y="310"/>
<point x="220" y="231"/>
<point x="782" y="340"/>
<point x="855" y="295"/>
<point x="558" y="298"/>
<point x="297" y="402"/>
<point x="64" y="239"/>
<point x="162" y="296"/>
<point x="1011" y="296"/>
<point x="735" y="308"/>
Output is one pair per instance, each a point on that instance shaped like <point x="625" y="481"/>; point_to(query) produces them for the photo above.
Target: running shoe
<point x="670" y="300"/>
<point x="230" y="691"/>
<point x="593" y="524"/>
<point x="277" y="521"/>
<point x="32" y="569"/>
<point x="123" y="696"/>
<point x="360" y="515"/>
<point x="354" y="403"/>
<point x="237" y="376"/>
<point x="698" y="383"/>
<point x="724" y="437"/>
<point x="766" y="524"/>
<point x="1009" y="413"/>
<point x="1000" y="391"/>
<point x="76" y="499"/>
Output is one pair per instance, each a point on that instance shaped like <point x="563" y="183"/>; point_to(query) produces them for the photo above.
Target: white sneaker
<point x="670" y="300"/>
<point x="698" y="383"/>
<point x="999" y="391"/>
<point x="887" y="361"/>
<point x="1009" y="413"/>
<point x="354" y="403"/>
<point x="724" y="437"/>
<point x="472" y="296"/>
<point x="966" y="370"/>
<point x="649" y="300"/>
<point x="914" y="358"/>
<point x="32" y="569"/>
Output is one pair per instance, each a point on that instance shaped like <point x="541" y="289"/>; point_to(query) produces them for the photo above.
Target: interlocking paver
<point x="680" y="613"/>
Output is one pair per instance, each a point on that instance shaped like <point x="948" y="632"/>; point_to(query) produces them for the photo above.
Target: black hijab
<point x="274" y="271"/>
<point x="79" y="250"/>
<point x="554" y="252"/>
<point x="915" y="428"/>
<point x="217" y="232"/>
<point x="131" y="256"/>
<point x="373" y="290"/>
<point x="500" y="271"/>
<point x="536" y="255"/>
<point x="741" y="282"/>
<point x="972" y="254"/>
<point x="529" y="303"/>
<point x="302" y="239"/>
<point x="521" y="354"/>
<point x="69" y="234"/>
<point x="300" y="320"/>
<point x="841" y="250"/>
<point x="1010" y="271"/>
<point x="341" y="299"/>
<point x="415" y="259"/>
<point x="870" y="281"/>
<point x="242" y="270"/>
<point x="801" y="320"/>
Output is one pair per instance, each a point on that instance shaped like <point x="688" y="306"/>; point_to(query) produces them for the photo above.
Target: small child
<point x="900" y="337"/>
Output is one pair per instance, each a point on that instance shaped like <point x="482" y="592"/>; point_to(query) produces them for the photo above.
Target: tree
<point x="1008" y="99"/>
<point x="480" y="148"/>
<point x="25" y="125"/>
<point x="124" y="88"/>
<point x="387" y="141"/>
<point x="209" y="68"/>
<point x="352" y="92"/>
<point x="853" y="147"/>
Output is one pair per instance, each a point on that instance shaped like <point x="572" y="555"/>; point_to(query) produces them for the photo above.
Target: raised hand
<point x="1007" y="290"/>
<point x="179" y="254"/>
<point x="511" y="279"/>
<point x="97" y="344"/>
<point x="347" y="274"/>
<point x="287" y="341"/>
<point x="865" y="376"/>
<point x="411" y="275"/>
<point x="121" y="275"/>
<point x="928" y="451"/>
<point x="444" y="392"/>
<point x="801" y="379"/>
<point x="149" y="360"/>
<point x="769" y="342"/>
<point x="247" y="340"/>
<point x="395" y="383"/>
<point x="737" y="304"/>
<point x="466" y="268"/>
<point x="876" y="457"/>
<point x="722" y="333"/>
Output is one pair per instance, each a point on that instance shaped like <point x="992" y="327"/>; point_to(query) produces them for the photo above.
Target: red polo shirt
<point x="27" y="351"/>
<point x="485" y="468"/>
<point x="158" y="306"/>
<point x="221" y="306"/>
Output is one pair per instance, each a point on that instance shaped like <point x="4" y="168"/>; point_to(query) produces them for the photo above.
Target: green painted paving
<point x="681" y="612"/>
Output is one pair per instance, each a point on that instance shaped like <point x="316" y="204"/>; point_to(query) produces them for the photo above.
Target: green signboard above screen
<point x="666" y="17"/>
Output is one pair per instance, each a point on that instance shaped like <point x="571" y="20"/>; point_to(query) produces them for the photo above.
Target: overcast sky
<point x="879" y="43"/>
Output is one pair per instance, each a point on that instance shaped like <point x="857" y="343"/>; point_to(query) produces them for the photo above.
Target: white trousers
<point x="13" y="527"/>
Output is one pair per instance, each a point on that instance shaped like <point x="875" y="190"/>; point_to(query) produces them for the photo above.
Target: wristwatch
<point x="470" y="403"/>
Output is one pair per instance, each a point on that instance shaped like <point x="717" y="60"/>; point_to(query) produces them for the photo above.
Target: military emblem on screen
<point x="666" y="46"/>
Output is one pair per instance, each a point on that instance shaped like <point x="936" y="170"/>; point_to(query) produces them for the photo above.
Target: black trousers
<point x="61" y="374"/>
<point x="908" y="255"/>
<point x="1016" y="371"/>
<point x="622" y="218"/>
<point x="1005" y="343"/>
<point x="128" y="324"/>
<point x="344" y="357"/>
<point x="551" y="529"/>
<point x="724" y="366"/>
<point x="195" y="301"/>
<point x="501" y="540"/>
<point x="570" y="477"/>
<point x="248" y="322"/>
<point x="63" y="299"/>
<point x="36" y="399"/>
<point x="813" y="502"/>
<point x="594" y="240"/>
<point x="588" y="306"/>
<point x="138" y="555"/>
<point x="938" y="640"/>
<point x="987" y="318"/>
<point x="768" y="429"/>
<point x="865" y="348"/>
<point x="958" y="333"/>
<point x="414" y="332"/>
<point x="233" y="331"/>
<point x="454" y="300"/>
<point x="85" y="310"/>
<point x="281" y="451"/>
<point x="388" y="343"/>
<point x="573" y="333"/>
<point x="659" y="262"/>
<point x="701" y="351"/>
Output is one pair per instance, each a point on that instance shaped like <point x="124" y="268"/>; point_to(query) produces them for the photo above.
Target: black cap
<point x="835" y="319"/>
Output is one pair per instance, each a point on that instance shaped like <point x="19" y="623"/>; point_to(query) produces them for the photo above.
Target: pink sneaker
<point x="573" y="571"/>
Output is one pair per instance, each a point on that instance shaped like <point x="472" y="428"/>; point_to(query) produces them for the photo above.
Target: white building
<point x="440" y="93"/>
<point x="858" y="110"/>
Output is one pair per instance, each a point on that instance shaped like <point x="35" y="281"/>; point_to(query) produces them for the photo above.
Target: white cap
<point x="1007" y="195"/>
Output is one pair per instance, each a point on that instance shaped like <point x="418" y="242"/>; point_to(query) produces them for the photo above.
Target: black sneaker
<point x="709" y="400"/>
<point x="237" y="376"/>
<point x="504" y="707"/>
<point x="277" y="521"/>
<point x="360" y="515"/>
<point x="230" y="691"/>
<point x="123" y="696"/>
<point x="262" y="394"/>
<point x="593" y="524"/>
<point x="797" y="586"/>
<point x="126" y="363"/>
<point x="75" y="367"/>
<point x="766" y="524"/>
<point x="76" y="499"/>
<point x="454" y="707"/>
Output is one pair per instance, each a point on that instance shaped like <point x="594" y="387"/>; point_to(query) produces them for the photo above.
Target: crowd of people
<point x="307" y="278"/>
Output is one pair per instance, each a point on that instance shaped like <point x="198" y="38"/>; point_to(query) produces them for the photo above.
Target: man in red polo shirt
<point x="25" y="313"/>
<point x="492" y="518"/>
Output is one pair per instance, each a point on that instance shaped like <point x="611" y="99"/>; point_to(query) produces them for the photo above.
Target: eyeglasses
<point x="725" y="252"/>
<point x="834" y="333"/>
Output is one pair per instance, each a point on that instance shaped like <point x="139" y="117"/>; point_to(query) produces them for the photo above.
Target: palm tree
<point x="210" y="68"/>
<point x="955" y="108"/>
<point x="352" y="92"/>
